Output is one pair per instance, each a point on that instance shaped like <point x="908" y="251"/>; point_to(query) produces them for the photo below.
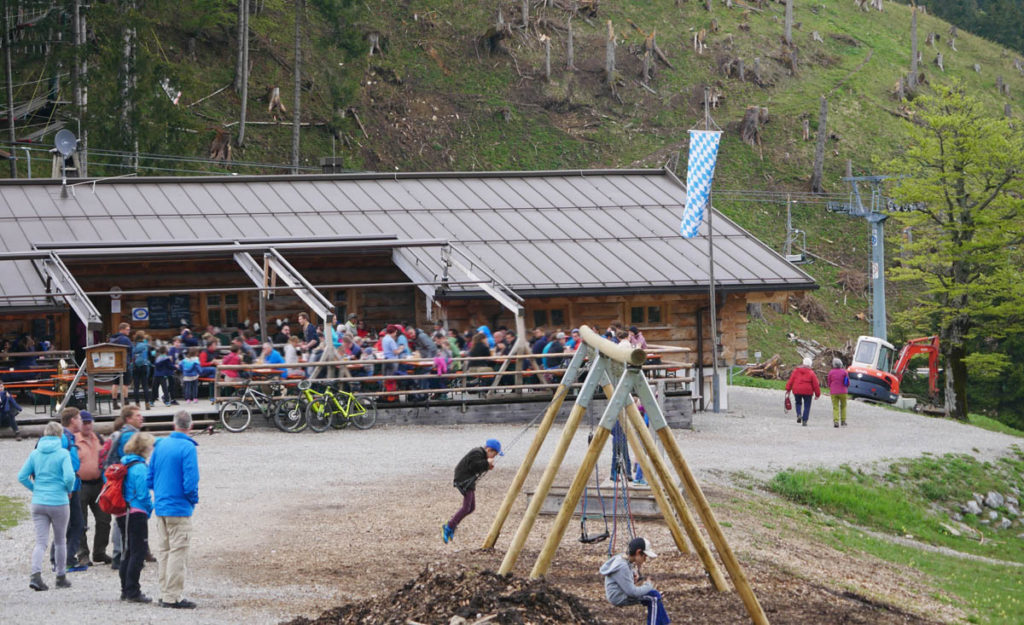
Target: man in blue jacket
<point x="174" y="478"/>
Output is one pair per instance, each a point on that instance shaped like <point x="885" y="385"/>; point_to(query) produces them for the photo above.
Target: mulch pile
<point x="441" y="594"/>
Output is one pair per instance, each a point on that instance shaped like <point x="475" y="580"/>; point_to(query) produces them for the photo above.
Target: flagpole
<point x="711" y="274"/>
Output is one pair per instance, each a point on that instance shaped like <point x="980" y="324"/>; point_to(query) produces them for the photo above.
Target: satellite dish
<point x="65" y="142"/>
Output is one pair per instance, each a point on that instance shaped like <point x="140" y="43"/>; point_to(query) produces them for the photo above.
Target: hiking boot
<point x="798" y="419"/>
<point x="115" y="562"/>
<point x="805" y="423"/>
<point x="149" y="406"/>
<point x="62" y="581"/>
<point x="834" y="424"/>
<point x="139" y="598"/>
<point x="446" y="533"/>
<point x="102" y="559"/>
<point x="180" y="604"/>
<point x="36" y="582"/>
<point x="844" y="424"/>
<point x="17" y="436"/>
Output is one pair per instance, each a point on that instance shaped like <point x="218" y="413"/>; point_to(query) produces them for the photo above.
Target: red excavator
<point x="873" y="376"/>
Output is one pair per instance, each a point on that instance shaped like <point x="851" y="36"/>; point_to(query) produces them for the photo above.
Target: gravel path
<point x="337" y="493"/>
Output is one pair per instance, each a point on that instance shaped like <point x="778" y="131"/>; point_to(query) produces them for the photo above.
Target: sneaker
<point x="139" y="598"/>
<point x="102" y="559"/>
<point x="62" y="582"/>
<point x="446" y="533"/>
<point x="78" y="568"/>
<point x="115" y="562"/>
<point x="799" y="420"/>
<point x="149" y="406"/>
<point x="180" y="604"/>
<point x="36" y="582"/>
<point x="805" y="423"/>
<point x="174" y="402"/>
<point x="834" y="424"/>
<point x="844" y="424"/>
<point x="17" y="436"/>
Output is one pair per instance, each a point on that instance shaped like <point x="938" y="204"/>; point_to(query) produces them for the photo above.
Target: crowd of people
<point x="167" y="371"/>
<point x="66" y="474"/>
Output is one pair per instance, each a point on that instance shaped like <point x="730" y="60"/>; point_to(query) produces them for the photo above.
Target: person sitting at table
<point x="636" y="338"/>
<point x="269" y="356"/>
<point x="233" y="357"/>
<point x="209" y="358"/>
<point x="575" y="340"/>
<point x="479" y="349"/>
<point x="291" y="350"/>
<point x="555" y="346"/>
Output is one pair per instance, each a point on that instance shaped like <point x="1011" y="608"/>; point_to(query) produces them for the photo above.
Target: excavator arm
<point x="924" y="345"/>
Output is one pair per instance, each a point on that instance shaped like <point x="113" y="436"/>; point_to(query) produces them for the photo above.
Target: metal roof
<point x="547" y="232"/>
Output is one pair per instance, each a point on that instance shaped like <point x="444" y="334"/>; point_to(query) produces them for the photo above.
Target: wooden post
<point x="732" y="565"/>
<point x="524" y="468"/>
<point x="543" y="488"/>
<point x="609" y="55"/>
<point x="572" y="498"/>
<point x="654" y="479"/>
<point x="547" y="57"/>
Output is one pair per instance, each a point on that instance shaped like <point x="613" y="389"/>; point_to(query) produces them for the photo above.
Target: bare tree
<point x="609" y="55"/>
<point x="243" y="47"/>
<point x="819" y="150"/>
<point x="789" y="23"/>
<point x="300" y="7"/>
<point x="912" y="78"/>
<point x="570" y="63"/>
<point x="126" y="85"/>
<point x="79" y="73"/>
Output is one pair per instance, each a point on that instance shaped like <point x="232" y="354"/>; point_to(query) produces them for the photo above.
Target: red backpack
<point x="111" y="497"/>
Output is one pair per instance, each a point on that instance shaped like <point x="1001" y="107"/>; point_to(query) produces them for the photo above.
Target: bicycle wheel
<point x="365" y="419"/>
<point x="318" y="416"/>
<point x="290" y="417"/>
<point x="235" y="416"/>
<point x="339" y="420"/>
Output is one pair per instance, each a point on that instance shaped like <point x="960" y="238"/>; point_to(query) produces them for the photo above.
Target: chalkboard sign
<point x="180" y="309"/>
<point x="159" y="312"/>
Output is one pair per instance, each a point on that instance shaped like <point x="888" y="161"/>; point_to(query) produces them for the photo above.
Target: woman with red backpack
<point x="803" y="383"/>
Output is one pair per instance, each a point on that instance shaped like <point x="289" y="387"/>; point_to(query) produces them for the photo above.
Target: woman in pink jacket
<point x="839" y="388"/>
<point x="803" y="383"/>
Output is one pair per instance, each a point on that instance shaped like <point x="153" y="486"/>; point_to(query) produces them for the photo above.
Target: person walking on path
<point x="134" y="524"/>
<point x="50" y="477"/>
<point x="174" y="478"/>
<point x="622" y="581"/>
<point x="839" y="389"/>
<point x="473" y="465"/>
<point x="89" y="445"/>
<point x="71" y="419"/>
<point x="803" y="383"/>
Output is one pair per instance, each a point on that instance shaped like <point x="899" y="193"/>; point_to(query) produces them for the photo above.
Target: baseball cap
<point x="86" y="415"/>
<point x="494" y="444"/>
<point x="352" y="315"/>
<point x="641" y="544"/>
<point x="560" y="335"/>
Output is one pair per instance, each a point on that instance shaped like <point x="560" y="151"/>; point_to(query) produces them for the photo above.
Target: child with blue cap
<point x="473" y="465"/>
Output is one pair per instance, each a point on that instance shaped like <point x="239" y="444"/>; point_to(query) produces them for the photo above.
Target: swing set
<point x="617" y="368"/>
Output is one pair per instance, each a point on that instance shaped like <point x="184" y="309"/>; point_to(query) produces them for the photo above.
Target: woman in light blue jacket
<point x="134" y="524"/>
<point x="48" y="474"/>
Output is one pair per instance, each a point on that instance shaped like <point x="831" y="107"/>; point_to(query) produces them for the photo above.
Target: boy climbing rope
<point x="622" y="576"/>
<point x="473" y="465"/>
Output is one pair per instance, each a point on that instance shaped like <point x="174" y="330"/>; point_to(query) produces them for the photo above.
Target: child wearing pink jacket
<point x="839" y="388"/>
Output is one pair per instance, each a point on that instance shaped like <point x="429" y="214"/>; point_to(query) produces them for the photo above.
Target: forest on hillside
<point x="1001" y="21"/>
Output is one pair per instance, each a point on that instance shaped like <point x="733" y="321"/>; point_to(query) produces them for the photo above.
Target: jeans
<point x="45" y="517"/>
<point x="468" y="506"/>
<point x="101" y="520"/>
<point x="191" y="389"/>
<point x="133" y="551"/>
<point x="803" y="406"/>
<point x="162" y="382"/>
<point x="140" y="378"/>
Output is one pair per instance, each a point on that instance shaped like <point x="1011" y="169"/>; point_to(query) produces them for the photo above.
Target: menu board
<point x="169" y="311"/>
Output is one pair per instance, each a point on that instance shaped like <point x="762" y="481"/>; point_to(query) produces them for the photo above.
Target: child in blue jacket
<point x="134" y="524"/>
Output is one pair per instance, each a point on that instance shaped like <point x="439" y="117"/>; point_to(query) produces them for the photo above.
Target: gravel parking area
<point x="293" y="524"/>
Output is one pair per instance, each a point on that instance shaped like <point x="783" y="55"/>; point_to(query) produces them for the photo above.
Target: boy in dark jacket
<point x="622" y="576"/>
<point x="474" y="464"/>
<point x="9" y="410"/>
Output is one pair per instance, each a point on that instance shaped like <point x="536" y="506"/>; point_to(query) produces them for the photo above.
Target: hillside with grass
<point x="438" y="94"/>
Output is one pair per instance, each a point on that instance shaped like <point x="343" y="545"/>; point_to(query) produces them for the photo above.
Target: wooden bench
<point x="212" y="383"/>
<point x="51" y="396"/>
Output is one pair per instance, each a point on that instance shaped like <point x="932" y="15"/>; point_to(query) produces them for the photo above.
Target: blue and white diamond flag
<point x="700" y="170"/>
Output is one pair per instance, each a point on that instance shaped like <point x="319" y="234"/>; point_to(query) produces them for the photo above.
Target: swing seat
<point x="590" y="540"/>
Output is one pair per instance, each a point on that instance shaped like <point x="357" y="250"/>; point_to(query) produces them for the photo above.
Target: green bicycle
<point x="294" y="420"/>
<point x="338" y="407"/>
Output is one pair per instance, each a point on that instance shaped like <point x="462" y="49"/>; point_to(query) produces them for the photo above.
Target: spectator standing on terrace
<point x="163" y="369"/>
<point x="49" y="475"/>
<point x="121" y="338"/>
<point x="190" y="372"/>
<point x="310" y="341"/>
<point x="636" y="338"/>
<point x="188" y="339"/>
<point x="142" y="367"/>
<point x="423" y="343"/>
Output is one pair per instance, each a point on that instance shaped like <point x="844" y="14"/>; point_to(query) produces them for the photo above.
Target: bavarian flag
<point x="700" y="170"/>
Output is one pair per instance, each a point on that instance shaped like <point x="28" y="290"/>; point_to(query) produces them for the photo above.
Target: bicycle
<point x="235" y="415"/>
<point x="294" y="420"/>
<point x="338" y="408"/>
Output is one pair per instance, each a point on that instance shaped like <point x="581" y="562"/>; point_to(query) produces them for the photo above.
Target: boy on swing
<point x="621" y="576"/>
<point x="473" y="465"/>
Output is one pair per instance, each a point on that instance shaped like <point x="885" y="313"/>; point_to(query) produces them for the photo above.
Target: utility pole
<point x="10" y="90"/>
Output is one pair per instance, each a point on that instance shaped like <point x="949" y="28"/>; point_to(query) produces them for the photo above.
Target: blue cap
<point x="494" y="444"/>
<point x="86" y="415"/>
